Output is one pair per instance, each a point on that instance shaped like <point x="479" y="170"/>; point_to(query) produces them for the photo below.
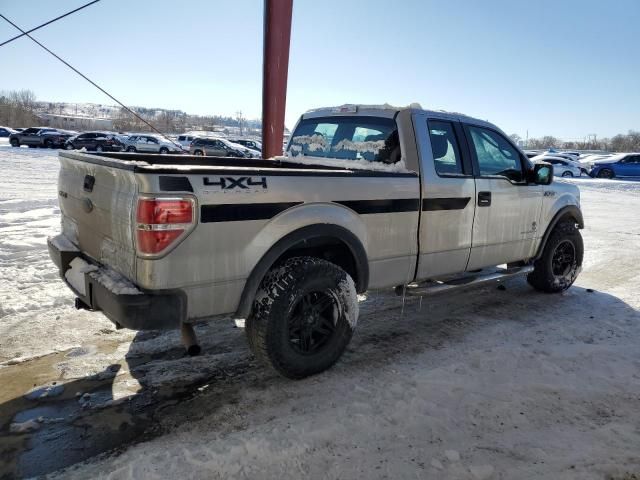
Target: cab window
<point x="496" y="156"/>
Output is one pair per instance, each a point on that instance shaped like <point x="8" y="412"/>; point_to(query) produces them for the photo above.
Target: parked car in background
<point x="98" y="141"/>
<point x="40" y="137"/>
<point x="561" y="166"/>
<point x="251" y="144"/>
<point x="6" y="131"/>
<point x="216" y="147"/>
<point x="150" y="144"/>
<point x="622" y="165"/>
<point x="568" y="159"/>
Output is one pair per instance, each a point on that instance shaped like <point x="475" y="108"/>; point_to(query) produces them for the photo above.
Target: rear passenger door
<point x="508" y="208"/>
<point x="448" y="197"/>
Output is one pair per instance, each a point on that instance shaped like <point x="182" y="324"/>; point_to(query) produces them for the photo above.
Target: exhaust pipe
<point x="189" y="340"/>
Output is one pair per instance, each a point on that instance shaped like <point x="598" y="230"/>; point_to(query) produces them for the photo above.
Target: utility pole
<point x="275" y="67"/>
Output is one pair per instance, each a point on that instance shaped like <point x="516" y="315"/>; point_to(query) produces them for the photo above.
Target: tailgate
<point x="97" y="203"/>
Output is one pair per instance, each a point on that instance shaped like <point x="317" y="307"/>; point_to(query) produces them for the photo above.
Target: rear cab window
<point x="444" y="146"/>
<point x="373" y="139"/>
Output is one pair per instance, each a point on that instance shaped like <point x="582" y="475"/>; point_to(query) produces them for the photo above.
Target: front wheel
<point x="69" y="146"/>
<point x="198" y="153"/>
<point x="15" y="142"/>
<point x="131" y="149"/>
<point x="48" y="144"/>
<point x="561" y="260"/>
<point x="99" y="148"/>
<point x="164" y="151"/>
<point x="303" y="316"/>
<point x="567" y="174"/>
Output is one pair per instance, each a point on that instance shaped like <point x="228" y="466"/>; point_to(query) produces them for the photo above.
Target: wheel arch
<point x="328" y="241"/>
<point x="568" y="212"/>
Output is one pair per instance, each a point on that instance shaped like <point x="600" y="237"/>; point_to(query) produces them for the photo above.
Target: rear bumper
<point x="143" y="311"/>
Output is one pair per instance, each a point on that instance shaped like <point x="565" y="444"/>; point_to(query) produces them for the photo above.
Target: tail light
<point x="161" y="222"/>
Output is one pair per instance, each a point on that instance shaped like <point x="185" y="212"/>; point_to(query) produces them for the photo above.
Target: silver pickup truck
<point x="367" y="197"/>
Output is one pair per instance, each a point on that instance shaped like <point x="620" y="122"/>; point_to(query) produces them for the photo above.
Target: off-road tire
<point x="283" y="294"/>
<point x="543" y="277"/>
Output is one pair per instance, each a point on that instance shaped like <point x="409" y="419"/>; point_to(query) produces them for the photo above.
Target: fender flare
<point x="296" y="237"/>
<point x="567" y="211"/>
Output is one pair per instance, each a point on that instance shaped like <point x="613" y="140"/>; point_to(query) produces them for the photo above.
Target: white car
<point x="562" y="167"/>
<point x="186" y="138"/>
<point x="151" y="144"/>
<point x="248" y="152"/>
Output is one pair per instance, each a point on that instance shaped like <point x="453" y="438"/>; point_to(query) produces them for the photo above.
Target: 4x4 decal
<point x="229" y="183"/>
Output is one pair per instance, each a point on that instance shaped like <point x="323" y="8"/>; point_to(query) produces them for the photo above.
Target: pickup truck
<point x="367" y="197"/>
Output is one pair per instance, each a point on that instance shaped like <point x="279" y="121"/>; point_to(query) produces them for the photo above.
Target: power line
<point x="48" y="23"/>
<point x="89" y="80"/>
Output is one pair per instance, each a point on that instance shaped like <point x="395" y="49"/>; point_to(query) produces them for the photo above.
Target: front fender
<point x="563" y="211"/>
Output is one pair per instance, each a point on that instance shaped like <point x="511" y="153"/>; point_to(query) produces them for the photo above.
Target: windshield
<point x="350" y="138"/>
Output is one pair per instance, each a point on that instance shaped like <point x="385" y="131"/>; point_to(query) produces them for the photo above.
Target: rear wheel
<point x="164" y="151"/>
<point x="561" y="260"/>
<point x="99" y="148"/>
<point x="606" y="173"/>
<point x="48" y="144"/>
<point x="131" y="149"/>
<point x="198" y="153"/>
<point x="69" y="146"/>
<point x="303" y="317"/>
<point x="15" y="142"/>
<point x="567" y="174"/>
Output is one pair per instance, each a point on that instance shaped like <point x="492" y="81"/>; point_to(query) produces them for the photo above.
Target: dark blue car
<point x="623" y="165"/>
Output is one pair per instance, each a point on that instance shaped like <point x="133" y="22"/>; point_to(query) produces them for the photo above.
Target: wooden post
<point x="275" y="67"/>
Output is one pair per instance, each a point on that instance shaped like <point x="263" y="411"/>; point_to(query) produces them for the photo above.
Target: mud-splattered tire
<point x="303" y="316"/>
<point x="561" y="260"/>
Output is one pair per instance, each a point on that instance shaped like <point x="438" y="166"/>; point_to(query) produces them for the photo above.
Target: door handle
<point x="484" y="199"/>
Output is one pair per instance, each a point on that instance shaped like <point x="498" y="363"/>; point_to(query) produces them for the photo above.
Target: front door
<point x="448" y="197"/>
<point x="629" y="166"/>
<point x="508" y="208"/>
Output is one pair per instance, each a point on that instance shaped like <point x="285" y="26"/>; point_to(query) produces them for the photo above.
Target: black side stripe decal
<point x="434" y="204"/>
<point x="235" y="212"/>
<point x="382" y="206"/>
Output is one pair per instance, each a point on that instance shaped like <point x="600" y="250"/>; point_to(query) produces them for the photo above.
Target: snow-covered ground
<point x="486" y="384"/>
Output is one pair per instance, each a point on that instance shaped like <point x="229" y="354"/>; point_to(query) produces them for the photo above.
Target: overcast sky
<point x="566" y="68"/>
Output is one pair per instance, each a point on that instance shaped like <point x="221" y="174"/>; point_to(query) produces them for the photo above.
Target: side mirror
<point x="542" y="174"/>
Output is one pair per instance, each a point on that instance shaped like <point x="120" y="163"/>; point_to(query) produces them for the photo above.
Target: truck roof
<point x="390" y="111"/>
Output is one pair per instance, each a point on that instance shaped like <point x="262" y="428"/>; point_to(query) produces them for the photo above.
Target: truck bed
<point x="155" y="163"/>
